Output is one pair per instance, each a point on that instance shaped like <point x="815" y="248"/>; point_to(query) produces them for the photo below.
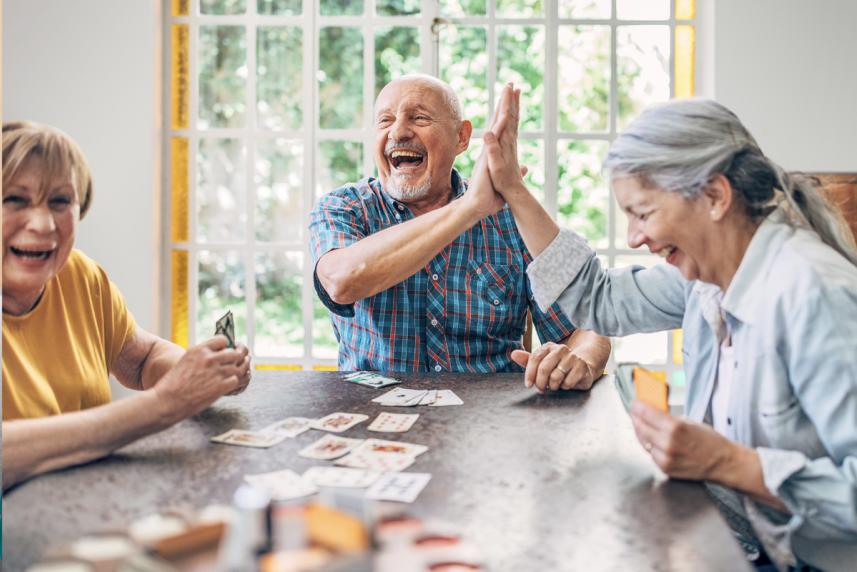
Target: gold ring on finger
<point x="562" y="369"/>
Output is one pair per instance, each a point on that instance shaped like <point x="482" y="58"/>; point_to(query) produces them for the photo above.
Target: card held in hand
<point x="652" y="388"/>
<point x="226" y="326"/>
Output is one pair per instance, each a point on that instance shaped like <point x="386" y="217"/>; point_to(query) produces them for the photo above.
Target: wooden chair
<point x="841" y="189"/>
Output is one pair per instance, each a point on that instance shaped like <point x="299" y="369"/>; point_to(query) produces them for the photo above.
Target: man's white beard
<point x="406" y="193"/>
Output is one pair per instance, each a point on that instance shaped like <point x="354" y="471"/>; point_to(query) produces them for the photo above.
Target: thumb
<point x="520" y="357"/>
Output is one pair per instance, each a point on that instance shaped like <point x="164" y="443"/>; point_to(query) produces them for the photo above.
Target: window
<point x="271" y="104"/>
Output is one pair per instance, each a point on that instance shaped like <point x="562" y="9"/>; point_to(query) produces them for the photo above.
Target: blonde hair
<point x="60" y="157"/>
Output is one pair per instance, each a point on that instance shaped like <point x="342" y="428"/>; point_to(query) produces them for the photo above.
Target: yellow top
<point x="57" y="357"/>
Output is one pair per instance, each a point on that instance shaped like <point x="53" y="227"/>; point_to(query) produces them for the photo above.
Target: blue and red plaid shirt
<point x="465" y="311"/>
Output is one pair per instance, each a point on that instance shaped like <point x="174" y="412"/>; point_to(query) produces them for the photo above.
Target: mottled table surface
<point x="539" y="482"/>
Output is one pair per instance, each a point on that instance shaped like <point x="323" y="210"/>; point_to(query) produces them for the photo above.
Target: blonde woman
<point x="66" y="327"/>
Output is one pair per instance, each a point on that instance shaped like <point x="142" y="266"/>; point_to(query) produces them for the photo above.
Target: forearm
<point x="534" y="223"/>
<point x="162" y="358"/>
<point x="591" y="348"/>
<point x="34" y="446"/>
<point x="392" y="255"/>
<point x="740" y="468"/>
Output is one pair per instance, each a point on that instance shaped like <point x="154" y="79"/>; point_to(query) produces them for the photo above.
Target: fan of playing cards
<point x="225" y="326"/>
<point x="374" y="464"/>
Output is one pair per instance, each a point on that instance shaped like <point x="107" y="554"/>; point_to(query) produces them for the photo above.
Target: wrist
<point x="167" y="410"/>
<point x="730" y="463"/>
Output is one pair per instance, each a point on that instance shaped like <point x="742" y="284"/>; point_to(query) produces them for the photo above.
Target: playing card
<point x="329" y="447"/>
<point x="623" y="379"/>
<point x="446" y="397"/>
<point x="391" y="447"/>
<point x="371" y="379"/>
<point x="289" y="427"/>
<point x="282" y="485"/>
<point x="339" y="422"/>
<point x="380" y="462"/>
<point x="226" y="326"/>
<point x="429" y="398"/>
<point x="393" y="422"/>
<point x="652" y="388"/>
<point x="340" y="477"/>
<point x="401" y="397"/>
<point x="399" y="487"/>
<point x="248" y="438"/>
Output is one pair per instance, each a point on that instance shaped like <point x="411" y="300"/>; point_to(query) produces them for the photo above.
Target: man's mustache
<point x="405" y="145"/>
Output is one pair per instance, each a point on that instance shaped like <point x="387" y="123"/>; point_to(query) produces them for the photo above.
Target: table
<point x="539" y="482"/>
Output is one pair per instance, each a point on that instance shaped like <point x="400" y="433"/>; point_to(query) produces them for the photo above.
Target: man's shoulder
<point x="364" y="191"/>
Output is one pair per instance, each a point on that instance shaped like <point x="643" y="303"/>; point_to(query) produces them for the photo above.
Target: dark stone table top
<point x="539" y="482"/>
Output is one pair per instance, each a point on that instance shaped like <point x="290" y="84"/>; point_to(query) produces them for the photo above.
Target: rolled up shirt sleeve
<point x="821" y="493"/>
<point x="615" y="302"/>
<point x="337" y="221"/>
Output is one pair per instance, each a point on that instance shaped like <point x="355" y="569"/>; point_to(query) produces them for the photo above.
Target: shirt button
<point x="437" y="368"/>
<point x="433" y="322"/>
<point x="478" y="271"/>
<point x="434" y="277"/>
<point x="729" y="421"/>
<point x="400" y="207"/>
<point x="398" y="216"/>
<point x="496" y="302"/>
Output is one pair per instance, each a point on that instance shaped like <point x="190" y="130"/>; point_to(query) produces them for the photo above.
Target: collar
<point x="747" y="290"/>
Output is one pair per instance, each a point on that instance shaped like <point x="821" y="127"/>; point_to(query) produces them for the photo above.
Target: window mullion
<point x="250" y="140"/>
<point x="550" y="122"/>
<point x="311" y="131"/>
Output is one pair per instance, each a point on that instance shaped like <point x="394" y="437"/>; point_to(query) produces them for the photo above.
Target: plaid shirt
<point x="465" y="311"/>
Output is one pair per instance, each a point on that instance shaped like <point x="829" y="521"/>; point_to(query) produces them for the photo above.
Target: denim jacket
<point x="791" y="310"/>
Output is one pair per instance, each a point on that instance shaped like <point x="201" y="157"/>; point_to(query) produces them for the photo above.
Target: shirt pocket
<point x="490" y="300"/>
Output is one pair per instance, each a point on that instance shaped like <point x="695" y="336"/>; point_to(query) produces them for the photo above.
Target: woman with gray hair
<point x="761" y="274"/>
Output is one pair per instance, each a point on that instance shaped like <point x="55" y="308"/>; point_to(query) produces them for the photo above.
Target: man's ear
<point x="719" y="196"/>
<point x="465" y="130"/>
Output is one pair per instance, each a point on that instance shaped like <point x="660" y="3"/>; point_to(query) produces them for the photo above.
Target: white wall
<point x="788" y="68"/>
<point x="93" y="69"/>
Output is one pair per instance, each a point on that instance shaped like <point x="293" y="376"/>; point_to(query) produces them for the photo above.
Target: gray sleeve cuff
<point x="553" y="270"/>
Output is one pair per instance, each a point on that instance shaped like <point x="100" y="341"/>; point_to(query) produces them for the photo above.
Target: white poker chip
<point x="102" y="548"/>
<point x="154" y="527"/>
<point x="61" y="566"/>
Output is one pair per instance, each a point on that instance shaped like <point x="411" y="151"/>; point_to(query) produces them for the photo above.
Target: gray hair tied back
<point x="680" y="145"/>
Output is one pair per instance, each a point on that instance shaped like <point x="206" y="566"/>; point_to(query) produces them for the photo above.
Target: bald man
<point x="421" y="275"/>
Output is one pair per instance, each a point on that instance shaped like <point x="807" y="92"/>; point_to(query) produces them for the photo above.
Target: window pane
<point x="643" y="348"/>
<point x="221" y="190"/>
<point x="220" y="281"/>
<point x="222" y="6"/>
<point x="340" y="77"/>
<point x="397" y="7"/>
<point x="464" y="65"/>
<point x="179" y="298"/>
<point x="222" y="76"/>
<point x="397" y="52"/>
<point x="589" y="9"/>
<point x="341" y="7"/>
<point x="339" y="163"/>
<point x="582" y="194"/>
<point x="521" y="59"/>
<point x="462" y="7"/>
<point x="278" y="316"/>
<point x="643" y="56"/>
<point x="643" y="9"/>
<point x="279" y="80"/>
<point x="584" y="78"/>
<point x="279" y="180"/>
<point x="685" y="9"/>
<point x="531" y="153"/>
<point x="685" y="50"/>
<point x="180" y="87"/>
<point x="324" y="344"/>
<point x="464" y="163"/>
<point x="519" y="8"/>
<point x="279" y="7"/>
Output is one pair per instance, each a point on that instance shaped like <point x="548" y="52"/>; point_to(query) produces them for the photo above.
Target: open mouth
<point x="32" y="254"/>
<point x="405" y="158"/>
<point x="666" y="251"/>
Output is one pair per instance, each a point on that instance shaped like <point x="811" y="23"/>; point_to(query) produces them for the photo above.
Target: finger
<point x="579" y="375"/>
<point x="650" y="415"/>
<point x="501" y="102"/>
<point x="520" y="357"/>
<point x="532" y="373"/>
<point x="504" y="111"/>
<point x="216" y="343"/>
<point x="549" y="375"/>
